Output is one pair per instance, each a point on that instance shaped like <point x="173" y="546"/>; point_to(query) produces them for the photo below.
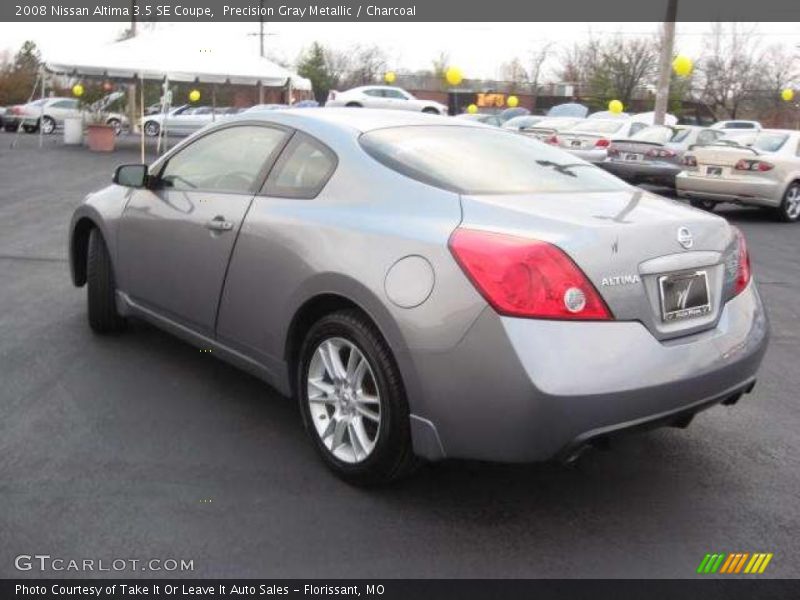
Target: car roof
<point x="359" y="120"/>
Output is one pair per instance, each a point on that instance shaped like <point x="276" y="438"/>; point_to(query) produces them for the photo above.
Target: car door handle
<point x="219" y="224"/>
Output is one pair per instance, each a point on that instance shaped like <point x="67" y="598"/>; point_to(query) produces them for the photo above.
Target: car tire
<point x="151" y="128"/>
<point x="11" y="127"/>
<point x="384" y="445"/>
<point x="430" y="111"/>
<point x="48" y="125"/>
<point x="706" y="205"/>
<point x="354" y="105"/>
<point x="789" y="210"/>
<point x="101" y="290"/>
<point x="117" y="125"/>
<point x="30" y="128"/>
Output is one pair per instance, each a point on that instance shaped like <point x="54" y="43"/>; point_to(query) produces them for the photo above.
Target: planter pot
<point x="73" y="131"/>
<point x="100" y="138"/>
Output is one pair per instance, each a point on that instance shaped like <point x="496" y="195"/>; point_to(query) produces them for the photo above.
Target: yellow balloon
<point x="512" y="101"/>
<point x="453" y="76"/>
<point x="77" y="90"/>
<point x="194" y="95"/>
<point x="682" y="65"/>
<point x="788" y="94"/>
<point x="390" y="77"/>
<point x="615" y="106"/>
<point x="472" y="109"/>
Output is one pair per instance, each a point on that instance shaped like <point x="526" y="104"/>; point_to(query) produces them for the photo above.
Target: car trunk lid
<point x="624" y="241"/>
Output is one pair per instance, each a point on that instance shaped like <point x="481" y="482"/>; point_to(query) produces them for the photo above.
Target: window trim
<point x="158" y="167"/>
<point x="273" y="191"/>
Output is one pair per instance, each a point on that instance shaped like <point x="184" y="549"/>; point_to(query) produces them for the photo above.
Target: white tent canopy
<point x="161" y="55"/>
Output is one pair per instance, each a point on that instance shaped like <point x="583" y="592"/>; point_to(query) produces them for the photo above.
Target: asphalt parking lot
<point x="140" y="446"/>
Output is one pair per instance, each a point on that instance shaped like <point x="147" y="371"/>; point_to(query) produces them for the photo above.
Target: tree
<point x="513" y="72"/>
<point x="731" y="63"/>
<point x="538" y="56"/>
<point x="314" y="66"/>
<point x="18" y="77"/>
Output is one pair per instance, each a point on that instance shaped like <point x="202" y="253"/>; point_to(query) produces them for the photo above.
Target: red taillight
<point x="602" y="143"/>
<point x="689" y="161"/>
<point x="753" y="165"/>
<point x="743" y="270"/>
<point x="613" y="150"/>
<point x="16" y="110"/>
<point x="522" y="277"/>
<point x="660" y="153"/>
<point x="553" y="139"/>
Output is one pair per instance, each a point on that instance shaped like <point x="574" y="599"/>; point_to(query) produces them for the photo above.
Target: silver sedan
<point x="426" y="288"/>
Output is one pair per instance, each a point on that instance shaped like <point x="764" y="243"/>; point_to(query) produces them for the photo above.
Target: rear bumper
<point x="529" y="390"/>
<point x="758" y="192"/>
<point x="641" y="171"/>
<point x="593" y="155"/>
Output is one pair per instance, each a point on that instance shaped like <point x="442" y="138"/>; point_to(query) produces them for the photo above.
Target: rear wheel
<point x="101" y="290"/>
<point x="116" y="124"/>
<point x="353" y="105"/>
<point x="352" y="400"/>
<point x="31" y="128"/>
<point x="789" y="210"/>
<point x="151" y="129"/>
<point x="708" y="205"/>
<point x="48" y="125"/>
<point x="430" y="110"/>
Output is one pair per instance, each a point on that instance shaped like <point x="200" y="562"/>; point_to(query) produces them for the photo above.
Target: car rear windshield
<point x="770" y="142"/>
<point x="597" y="126"/>
<point x="656" y="133"/>
<point x="472" y="160"/>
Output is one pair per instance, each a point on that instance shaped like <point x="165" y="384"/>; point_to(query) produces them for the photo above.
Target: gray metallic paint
<point x="548" y="381"/>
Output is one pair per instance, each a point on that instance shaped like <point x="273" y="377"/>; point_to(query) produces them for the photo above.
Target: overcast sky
<point x="479" y="49"/>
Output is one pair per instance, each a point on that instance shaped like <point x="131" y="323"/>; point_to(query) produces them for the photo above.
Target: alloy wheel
<point x="344" y="400"/>
<point x="792" y="200"/>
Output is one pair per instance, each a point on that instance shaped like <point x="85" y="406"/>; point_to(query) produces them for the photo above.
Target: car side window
<point x="394" y="94"/>
<point x="227" y="160"/>
<point x="637" y="127"/>
<point x="374" y="93"/>
<point x="302" y="170"/>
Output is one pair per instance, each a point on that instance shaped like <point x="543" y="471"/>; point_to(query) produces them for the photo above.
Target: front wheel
<point x="352" y="400"/>
<point x="101" y="289"/>
<point x="789" y="210"/>
<point x="707" y="205"/>
<point x="430" y="110"/>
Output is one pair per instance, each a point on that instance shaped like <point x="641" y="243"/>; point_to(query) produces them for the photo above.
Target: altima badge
<point x="685" y="238"/>
<point x="619" y="280"/>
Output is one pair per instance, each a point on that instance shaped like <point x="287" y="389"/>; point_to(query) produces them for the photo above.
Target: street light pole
<point x="664" y="63"/>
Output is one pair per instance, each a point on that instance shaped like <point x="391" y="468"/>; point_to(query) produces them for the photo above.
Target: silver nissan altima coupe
<point x="426" y="287"/>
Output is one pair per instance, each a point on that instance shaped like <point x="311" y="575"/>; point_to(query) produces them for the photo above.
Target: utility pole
<point x="665" y="62"/>
<point x="132" y="86"/>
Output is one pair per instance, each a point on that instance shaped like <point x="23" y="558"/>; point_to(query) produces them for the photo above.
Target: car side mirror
<point x="131" y="176"/>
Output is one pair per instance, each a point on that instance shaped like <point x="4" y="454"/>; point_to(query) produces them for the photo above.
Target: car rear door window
<point x="302" y="170"/>
<point x="227" y="160"/>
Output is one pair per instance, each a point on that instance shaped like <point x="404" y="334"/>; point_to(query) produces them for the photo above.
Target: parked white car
<point x="765" y="174"/>
<point x="181" y="120"/>
<point x="383" y="96"/>
<point x="51" y="112"/>
<point x="591" y="138"/>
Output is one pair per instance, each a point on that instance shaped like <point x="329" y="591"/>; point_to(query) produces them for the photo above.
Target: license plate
<point x="714" y="171"/>
<point x="684" y="296"/>
<point x="576" y="143"/>
<point x="634" y="157"/>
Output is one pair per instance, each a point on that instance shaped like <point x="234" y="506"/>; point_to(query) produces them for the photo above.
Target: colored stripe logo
<point x="734" y="563"/>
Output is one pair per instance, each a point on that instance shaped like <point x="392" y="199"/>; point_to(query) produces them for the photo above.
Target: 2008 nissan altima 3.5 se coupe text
<point x="426" y="287"/>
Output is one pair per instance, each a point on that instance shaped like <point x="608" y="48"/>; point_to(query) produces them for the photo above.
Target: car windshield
<point x="592" y="126"/>
<point x="472" y="160"/>
<point x="657" y="133"/>
<point x="770" y="142"/>
<point x="522" y="122"/>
